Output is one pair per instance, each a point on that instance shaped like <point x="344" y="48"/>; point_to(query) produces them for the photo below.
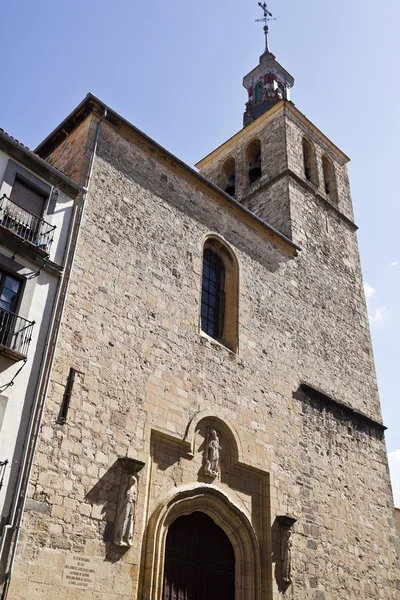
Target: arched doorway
<point x="199" y="561"/>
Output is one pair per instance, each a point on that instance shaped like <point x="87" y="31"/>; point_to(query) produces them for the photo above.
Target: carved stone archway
<point x="227" y="515"/>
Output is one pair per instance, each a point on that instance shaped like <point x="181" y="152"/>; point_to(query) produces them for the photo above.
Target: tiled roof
<point x="15" y="140"/>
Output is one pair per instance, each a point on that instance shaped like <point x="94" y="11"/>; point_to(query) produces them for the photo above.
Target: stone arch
<point x="254" y="160"/>
<point x="228" y="176"/>
<point x="229" y="335"/>
<point x="226" y="514"/>
<point x="329" y="178"/>
<point x="310" y="161"/>
<point x="223" y="424"/>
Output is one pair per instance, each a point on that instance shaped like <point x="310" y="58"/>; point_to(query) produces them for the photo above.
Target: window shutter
<point x="27" y="198"/>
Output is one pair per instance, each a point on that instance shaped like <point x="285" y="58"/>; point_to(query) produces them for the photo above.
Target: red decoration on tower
<point x="250" y="91"/>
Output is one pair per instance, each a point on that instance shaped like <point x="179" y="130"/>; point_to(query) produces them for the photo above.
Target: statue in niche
<point x="212" y="454"/>
<point x="286" y="522"/>
<point x="125" y="516"/>
<point x="287" y="555"/>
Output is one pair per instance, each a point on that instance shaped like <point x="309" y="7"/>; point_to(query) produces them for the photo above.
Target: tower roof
<point x="268" y="82"/>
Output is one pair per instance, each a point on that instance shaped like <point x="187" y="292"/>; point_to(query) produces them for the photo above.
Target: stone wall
<point x="281" y="132"/>
<point x="270" y="131"/>
<point x="73" y="155"/>
<point x="151" y="386"/>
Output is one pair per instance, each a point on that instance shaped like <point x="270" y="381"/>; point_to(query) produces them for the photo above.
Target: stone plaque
<point x="79" y="572"/>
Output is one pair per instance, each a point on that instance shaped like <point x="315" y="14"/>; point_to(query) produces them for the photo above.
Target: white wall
<point x="37" y="305"/>
<point x="3" y="164"/>
<point x="58" y="215"/>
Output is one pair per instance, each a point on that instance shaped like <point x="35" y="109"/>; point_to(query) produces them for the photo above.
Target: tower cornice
<point x="281" y="106"/>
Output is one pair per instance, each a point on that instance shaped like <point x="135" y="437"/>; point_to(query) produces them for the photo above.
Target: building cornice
<point x="338" y="409"/>
<point x="261" y="121"/>
<point x="307" y="186"/>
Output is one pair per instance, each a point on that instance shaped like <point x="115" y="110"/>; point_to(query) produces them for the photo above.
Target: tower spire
<point x="268" y="83"/>
<point x="267" y="17"/>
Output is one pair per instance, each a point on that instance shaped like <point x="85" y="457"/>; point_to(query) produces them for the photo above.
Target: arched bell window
<point x="229" y="176"/>
<point x="219" y="293"/>
<point x="310" y="167"/>
<point x="253" y="157"/>
<point x="258" y="92"/>
<point x="329" y="178"/>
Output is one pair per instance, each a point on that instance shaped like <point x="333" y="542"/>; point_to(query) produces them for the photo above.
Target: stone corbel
<point x="130" y="465"/>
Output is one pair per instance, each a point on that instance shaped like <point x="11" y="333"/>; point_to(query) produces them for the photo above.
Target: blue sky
<point x="174" y="69"/>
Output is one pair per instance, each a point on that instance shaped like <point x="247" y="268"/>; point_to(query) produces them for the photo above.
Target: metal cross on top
<point x="267" y="17"/>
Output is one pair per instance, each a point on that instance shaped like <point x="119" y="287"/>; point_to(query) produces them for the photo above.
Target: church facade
<point x="212" y="427"/>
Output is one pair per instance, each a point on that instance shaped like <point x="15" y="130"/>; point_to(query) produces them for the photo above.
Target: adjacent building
<point x="36" y="209"/>
<point x="212" y="427"/>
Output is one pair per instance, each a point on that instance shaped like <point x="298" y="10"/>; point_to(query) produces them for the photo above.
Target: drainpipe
<point x="39" y="419"/>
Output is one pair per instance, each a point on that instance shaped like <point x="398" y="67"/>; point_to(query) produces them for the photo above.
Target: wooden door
<point x="199" y="561"/>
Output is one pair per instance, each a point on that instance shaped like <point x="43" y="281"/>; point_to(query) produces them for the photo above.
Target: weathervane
<point x="267" y="17"/>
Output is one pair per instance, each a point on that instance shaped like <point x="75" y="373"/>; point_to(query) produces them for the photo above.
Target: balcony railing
<point x="26" y="225"/>
<point x="15" y="335"/>
<point x="3" y="467"/>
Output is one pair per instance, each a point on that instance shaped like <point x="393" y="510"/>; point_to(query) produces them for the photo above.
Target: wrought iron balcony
<point x="15" y="335"/>
<point x="3" y="467"/>
<point x="26" y="225"/>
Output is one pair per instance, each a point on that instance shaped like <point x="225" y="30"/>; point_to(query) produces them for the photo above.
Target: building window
<point x="229" y="177"/>
<point x="27" y="198"/>
<point x="212" y="295"/>
<point x="219" y="294"/>
<point x="258" y="92"/>
<point x="329" y="178"/>
<point x="15" y="332"/>
<point x="253" y="159"/>
<point x="310" y="167"/>
<point x="10" y="288"/>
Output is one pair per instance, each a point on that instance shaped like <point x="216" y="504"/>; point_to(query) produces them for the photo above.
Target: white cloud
<point x="378" y="315"/>
<point x="394" y="466"/>
<point x="395" y="263"/>
<point x="369" y="291"/>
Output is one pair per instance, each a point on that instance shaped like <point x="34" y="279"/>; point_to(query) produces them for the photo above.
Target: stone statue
<point x="212" y="454"/>
<point x="287" y="555"/>
<point x="125" y="516"/>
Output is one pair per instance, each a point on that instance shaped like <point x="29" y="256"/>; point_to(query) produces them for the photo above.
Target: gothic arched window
<point x="219" y="293"/>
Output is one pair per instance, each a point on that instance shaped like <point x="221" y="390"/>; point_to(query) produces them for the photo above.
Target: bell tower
<point x="279" y="163"/>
